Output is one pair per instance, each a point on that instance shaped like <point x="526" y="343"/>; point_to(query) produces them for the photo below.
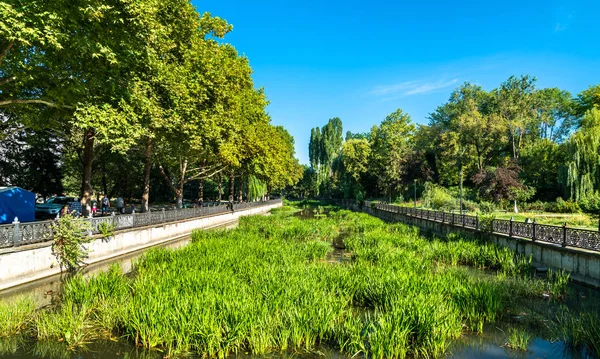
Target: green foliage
<point x="580" y="175"/>
<point x="485" y="223"/>
<point x="107" y="229"/>
<point x="557" y="282"/>
<point x="268" y="286"/>
<point x="15" y="315"/>
<point x="486" y="207"/>
<point x="70" y="235"/>
<point x="518" y="339"/>
<point x="562" y="206"/>
<point x="437" y="197"/>
<point x="580" y="331"/>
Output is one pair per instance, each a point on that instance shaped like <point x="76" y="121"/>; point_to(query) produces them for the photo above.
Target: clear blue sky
<point x="361" y="60"/>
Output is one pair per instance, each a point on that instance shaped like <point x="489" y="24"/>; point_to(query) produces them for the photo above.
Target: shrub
<point x="470" y="206"/>
<point x="591" y="203"/>
<point x="485" y="223"/>
<point x="107" y="229"/>
<point x="568" y="206"/>
<point x="437" y="197"/>
<point x="70" y="235"/>
<point x="535" y="206"/>
<point x="487" y="207"/>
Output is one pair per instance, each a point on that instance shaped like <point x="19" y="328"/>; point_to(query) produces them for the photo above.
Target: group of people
<point x="105" y="206"/>
<point x="75" y="208"/>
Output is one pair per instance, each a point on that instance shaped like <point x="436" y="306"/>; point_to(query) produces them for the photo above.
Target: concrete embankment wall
<point x="19" y="265"/>
<point x="583" y="265"/>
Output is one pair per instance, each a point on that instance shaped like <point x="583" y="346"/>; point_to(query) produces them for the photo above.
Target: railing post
<point x="477" y="222"/>
<point x="16" y="232"/>
<point x="133" y="218"/>
<point x="452" y="222"/>
<point x="443" y="216"/>
<point x="463" y="219"/>
<point x="533" y="234"/>
<point x="163" y="216"/>
<point x="510" y="227"/>
<point x="113" y="219"/>
<point x="564" y="241"/>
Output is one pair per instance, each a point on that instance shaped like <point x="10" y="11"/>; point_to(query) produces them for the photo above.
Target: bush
<point x="70" y="234"/>
<point x="568" y="206"/>
<point x="591" y="203"/>
<point x="470" y="206"/>
<point x="487" y="207"/>
<point x="485" y="223"/>
<point x="535" y="206"/>
<point x="438" y="197"/>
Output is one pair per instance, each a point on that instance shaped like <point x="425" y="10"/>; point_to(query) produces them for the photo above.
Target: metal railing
<point x="560" y="235"/>
<point x="18" y="234"/>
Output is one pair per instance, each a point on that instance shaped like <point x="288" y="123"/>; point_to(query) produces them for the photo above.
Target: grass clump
<point x="15" y="315"/>
<point x="517" y="339"/>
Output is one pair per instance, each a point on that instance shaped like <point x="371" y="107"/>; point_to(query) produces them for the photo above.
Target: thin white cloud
<point x="560" y="27"/>
<point x="416" y="87"/>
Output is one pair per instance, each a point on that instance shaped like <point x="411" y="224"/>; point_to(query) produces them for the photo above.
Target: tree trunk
<point x="104" y="181"/>
<point x="201" y="192"/>
<point x="516" y="210"/>
<point x="179" y="198"/>
<point x="247" y="189"/>
<point x="86" y="180"/>
<point x="220" y="188"/>
<point x="147" y="170"/>
<point x="231" y="185"/>
<point x="241" y="187"/>
<point x="268" y="192"/>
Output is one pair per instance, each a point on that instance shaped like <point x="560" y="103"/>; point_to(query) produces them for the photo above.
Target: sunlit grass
<point x="264" y="287"/>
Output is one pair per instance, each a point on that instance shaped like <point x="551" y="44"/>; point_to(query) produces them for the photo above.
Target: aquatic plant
<point x="15" y="315"/>
<point x="579" y="330"/>
<point x="517" y="339"/>
<point x="266" y="286"/>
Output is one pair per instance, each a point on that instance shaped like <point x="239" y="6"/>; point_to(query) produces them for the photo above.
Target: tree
<point x="580" y="174"/>
<point x="31" y="159"/>
<point x="391" y="143"/>
<point x="587" y="100"/>
<point x="77" y="60"/>
<point x="516" y="104"/>
<point x="502" y="183"/>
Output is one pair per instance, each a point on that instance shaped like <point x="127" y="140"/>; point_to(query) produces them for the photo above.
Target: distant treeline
<point x="514" y="143"/>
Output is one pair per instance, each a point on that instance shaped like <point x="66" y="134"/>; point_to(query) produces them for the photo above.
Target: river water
<point x="489" y="345"/>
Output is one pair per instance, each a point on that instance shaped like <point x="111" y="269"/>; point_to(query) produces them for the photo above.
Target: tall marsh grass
<point x="266" y="287"/>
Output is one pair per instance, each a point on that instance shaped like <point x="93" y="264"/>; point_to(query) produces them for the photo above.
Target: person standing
<point x="105" y="204"/>
<point x="120" y="205"/>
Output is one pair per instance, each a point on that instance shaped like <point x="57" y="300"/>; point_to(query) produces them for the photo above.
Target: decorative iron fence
<point x="18" y="234"/>
<point x="559" y="235"/>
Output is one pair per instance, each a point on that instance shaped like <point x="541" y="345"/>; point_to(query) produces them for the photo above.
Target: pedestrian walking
<point x="105" y="204"/>
<point x="94" y="208"/>
<point x="75" y="208"/>
<point x="120" y="205"/>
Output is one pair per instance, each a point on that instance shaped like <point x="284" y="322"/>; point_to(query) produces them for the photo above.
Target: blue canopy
<point x="16" y="202"/>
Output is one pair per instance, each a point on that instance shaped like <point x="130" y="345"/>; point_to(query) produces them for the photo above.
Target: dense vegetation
<point x="272" y="285"/>
<point x="512" y="144"/>
<point x="121" y="97"/>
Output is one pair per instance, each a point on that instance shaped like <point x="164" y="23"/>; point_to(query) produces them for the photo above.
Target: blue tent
<point x="16" y="202"/>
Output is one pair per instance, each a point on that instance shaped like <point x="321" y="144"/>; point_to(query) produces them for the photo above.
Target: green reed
<point x="266" y="287"/>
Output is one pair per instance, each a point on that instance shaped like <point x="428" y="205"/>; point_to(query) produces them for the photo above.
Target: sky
<point x="362" y="60"/>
